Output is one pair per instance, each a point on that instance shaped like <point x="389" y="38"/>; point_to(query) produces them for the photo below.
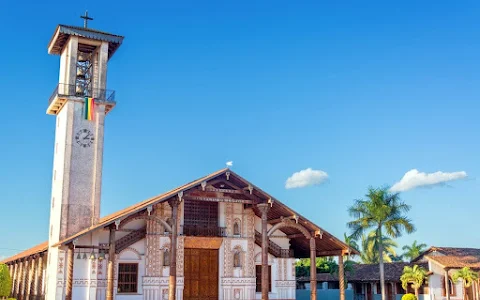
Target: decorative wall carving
<point x="180" y="216"/>
<point x="250" y="224"/>
<point x="93" y="266"/>
<point x="164" y="294"/>
<point x="239" y="281"/>
<point x="100" y="268"/>
<point x="90" y="282"/>
<point x="285" y="283"/>
<point x="60" y="264"/>
<point x="229" y="218"/>
<point x="155" y="281"/>
<point x="250" y="265"/>
<point x="180" y="255"/>
<point x="153" y="251"/>
<point x="285" y="269"/>
<point x="227" y="258"/>
<point x="131" y="249"/>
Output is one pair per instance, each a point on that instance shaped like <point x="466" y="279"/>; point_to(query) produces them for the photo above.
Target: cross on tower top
<point x="85" y="19"/>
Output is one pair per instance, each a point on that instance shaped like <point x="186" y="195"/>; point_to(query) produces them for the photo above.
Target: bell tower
<point x="80" y="103"/>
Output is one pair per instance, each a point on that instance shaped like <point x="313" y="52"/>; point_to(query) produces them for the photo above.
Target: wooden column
<point x="313" y="269"/>
<point x="69" y="282"/>
<point x="341" y="277"/>
<point x="18" y="288"/>
<point x="30" y="277"/>
<point x="172" y="279"/>
<point x="10" y="270"/>
<point x="447" y="285"/>
<point x="15" y="280"/>
<point x="477" y="290"/>
<point x="23" y="289"/>
<point x="265" y="280"/>
<point x="111" y="264"/>
<point x="39" y="280"/>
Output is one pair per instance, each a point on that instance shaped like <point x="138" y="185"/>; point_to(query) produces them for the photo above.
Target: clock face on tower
<point x="84" y="138"/>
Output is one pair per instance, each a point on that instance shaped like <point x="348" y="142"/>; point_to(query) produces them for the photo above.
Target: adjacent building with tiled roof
<point x="364" y="280"/>
<point x="440" y="262"/>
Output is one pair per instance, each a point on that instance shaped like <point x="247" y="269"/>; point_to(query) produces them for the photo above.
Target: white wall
<point x="436" y="285"/>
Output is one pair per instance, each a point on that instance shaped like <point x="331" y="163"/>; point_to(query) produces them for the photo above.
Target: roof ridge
<point x="90" y="29"/>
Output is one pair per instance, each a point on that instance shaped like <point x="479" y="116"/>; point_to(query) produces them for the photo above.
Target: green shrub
<point x="409" y="297"/>
<point x="5" y="281"/>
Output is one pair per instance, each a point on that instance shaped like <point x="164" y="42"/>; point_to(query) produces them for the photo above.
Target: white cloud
<point x="229" y="163"/>
<point x="413" y="179"/>
<point x="305" y="178"/>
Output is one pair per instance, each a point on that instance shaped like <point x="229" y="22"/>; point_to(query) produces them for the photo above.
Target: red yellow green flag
<point x="89" y="108"/>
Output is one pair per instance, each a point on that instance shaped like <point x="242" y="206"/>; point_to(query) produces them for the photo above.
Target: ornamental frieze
<point x="238" y="281"/>
<point x="155" y="281"/>
<point x="285" y="283"/>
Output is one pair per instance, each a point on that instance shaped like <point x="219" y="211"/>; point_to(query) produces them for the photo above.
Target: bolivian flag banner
<point x="89" y="108"/>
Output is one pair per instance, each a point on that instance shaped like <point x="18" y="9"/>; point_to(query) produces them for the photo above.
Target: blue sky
<point x="364" y="91"/>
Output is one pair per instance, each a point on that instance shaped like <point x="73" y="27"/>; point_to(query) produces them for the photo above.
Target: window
<point x="258" y="269"/>
<point x="333" y="285"/>
<point x="166" y="257"/>
<point x="127" y="278"/>
<point x="200" y="213"/>
<point x="200" y="218"/>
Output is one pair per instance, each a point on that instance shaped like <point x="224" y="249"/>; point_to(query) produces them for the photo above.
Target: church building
<point x="217" y="237"/>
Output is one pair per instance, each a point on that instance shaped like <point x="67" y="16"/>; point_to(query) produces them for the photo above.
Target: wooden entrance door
<point x="201" y="274"/>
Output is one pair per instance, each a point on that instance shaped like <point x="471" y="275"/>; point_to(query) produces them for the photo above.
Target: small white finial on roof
<point x="229" y="163"/>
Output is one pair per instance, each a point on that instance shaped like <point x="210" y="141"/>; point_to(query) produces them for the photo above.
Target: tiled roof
<point x="326" y="242"/>
<point x="32" y="251"/>
<point x="457" y="262"/>
<point x="109" y="219"/>
<point x="63" y="32"/>
<point x="448" y="251"/>
<point x="368" y="273"/>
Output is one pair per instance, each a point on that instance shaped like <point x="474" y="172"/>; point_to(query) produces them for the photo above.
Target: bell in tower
<point x="84" y="54"/>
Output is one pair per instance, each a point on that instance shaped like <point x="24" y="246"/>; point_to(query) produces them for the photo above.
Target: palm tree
<point x="467" y="276"/>
<point x="413" y="251"/>
<point x="351" y="243"/>
<point x="369" y="254"/>
<point x="415" y="275"/>
<point x="381" y="211"/>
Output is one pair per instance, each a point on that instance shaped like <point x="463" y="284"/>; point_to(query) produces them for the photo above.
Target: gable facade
<point x="217" y="218"/>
